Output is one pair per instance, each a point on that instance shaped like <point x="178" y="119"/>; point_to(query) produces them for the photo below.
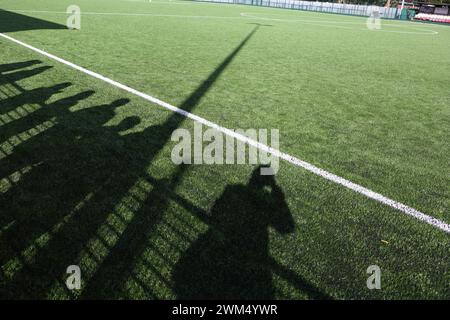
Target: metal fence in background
<point x="339" y="8"/>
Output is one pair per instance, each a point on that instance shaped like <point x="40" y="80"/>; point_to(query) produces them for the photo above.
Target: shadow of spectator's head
<point x="128" y="123"/>
<point x="119" y="103"/>
<point x="276" y="211"/>
<point x="61" y="86"/>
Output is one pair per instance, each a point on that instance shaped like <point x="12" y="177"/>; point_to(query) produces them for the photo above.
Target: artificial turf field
<point x="87" y="178"/>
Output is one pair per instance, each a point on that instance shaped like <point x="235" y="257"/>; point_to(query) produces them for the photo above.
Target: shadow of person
<point x="65" y="160"/>
<point x="95" y="165"/>
<point x="36" y="150"/>
<point x="21" y="74"/>
<point x="231" y="260"/>
<point x="35" y="96"/>
<point x="7" y="67"/>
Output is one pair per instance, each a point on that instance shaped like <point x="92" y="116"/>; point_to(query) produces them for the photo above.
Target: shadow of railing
<point x="65" y="170"/>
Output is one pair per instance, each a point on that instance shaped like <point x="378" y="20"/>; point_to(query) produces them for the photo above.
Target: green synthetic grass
<point x="87" y="177"/>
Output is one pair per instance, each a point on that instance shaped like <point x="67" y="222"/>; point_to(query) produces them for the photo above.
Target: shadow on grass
<point x="124" y="255"/>
<point x="19" y="75"/>
<point x="74" y="171"/>
<point x="64" y="174"/>
<point x="231" y="260"/>
<point x="18" y="65"/>
<point x="12" y="22"/>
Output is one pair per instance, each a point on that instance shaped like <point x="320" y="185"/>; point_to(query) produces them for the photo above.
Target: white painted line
<point x="243" y="15"/>
<point x="130" y="14"/>
<point x="300" y="163"/>
<point x="337" y="24"/>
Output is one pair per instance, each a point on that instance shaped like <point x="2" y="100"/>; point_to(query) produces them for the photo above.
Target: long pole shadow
<point x="195" y="97"/>
<point x="132" y="242"/>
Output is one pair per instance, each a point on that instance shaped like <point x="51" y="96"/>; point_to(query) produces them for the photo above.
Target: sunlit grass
<point x="80" y="185"/>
